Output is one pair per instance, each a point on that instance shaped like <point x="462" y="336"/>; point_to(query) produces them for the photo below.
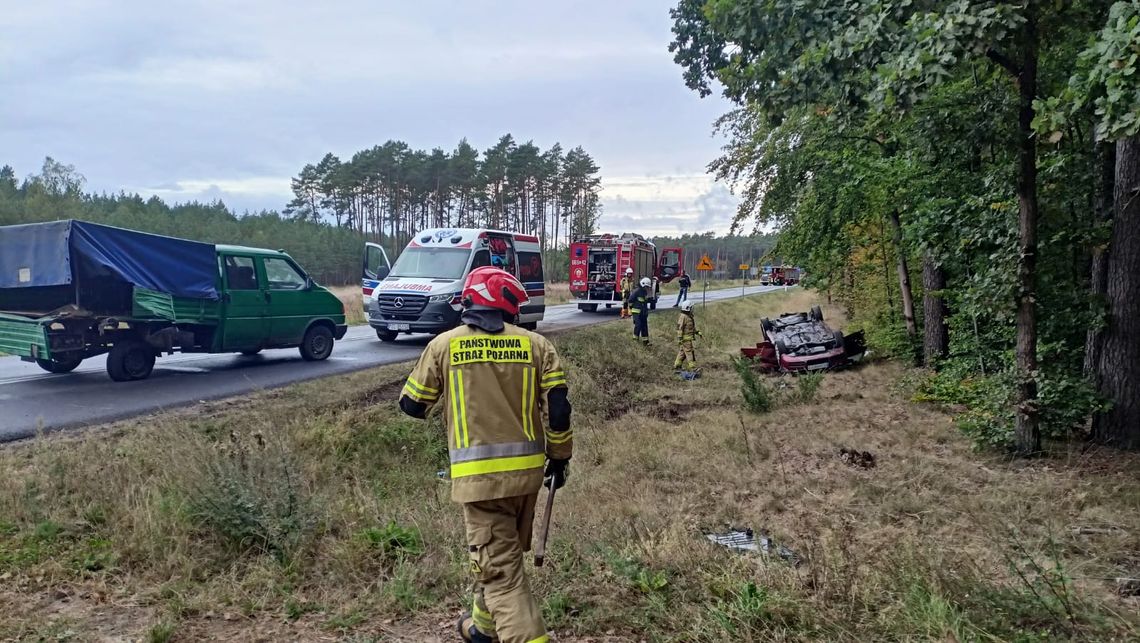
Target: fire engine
<point x="598" y="262"/>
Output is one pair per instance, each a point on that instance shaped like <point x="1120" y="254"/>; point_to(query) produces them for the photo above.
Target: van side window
<point x="530" y="267"/>
<point x="482" y="258"/>
<point x="282" y="275"/>
<point x="240" y="273"/>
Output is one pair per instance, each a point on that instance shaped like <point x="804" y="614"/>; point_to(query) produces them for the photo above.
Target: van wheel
<point x="64" y="364"/>
<point x="386" y="335"/>
<point x="130" y="360"/>
<point x="589" y="308"/>
<point x="317" y="344"/>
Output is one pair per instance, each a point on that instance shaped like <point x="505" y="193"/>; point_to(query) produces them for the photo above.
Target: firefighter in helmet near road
<point x="639" y="308"/>
<point x="687" y="333"/>
<point x="626" y="289"/>
<point x="496" y="382"/>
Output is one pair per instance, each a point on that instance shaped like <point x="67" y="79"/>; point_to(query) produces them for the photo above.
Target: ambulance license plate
<point x="399" y="327"/>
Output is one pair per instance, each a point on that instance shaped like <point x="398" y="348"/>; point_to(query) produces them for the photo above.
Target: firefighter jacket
<point x="626" y="286"/>
<point x="495" y="389"/>
<point x="686" y="327"/>
<point x="639" y="300"/>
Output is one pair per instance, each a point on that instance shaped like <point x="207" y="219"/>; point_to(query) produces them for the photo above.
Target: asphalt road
<point x="32" y="400"/>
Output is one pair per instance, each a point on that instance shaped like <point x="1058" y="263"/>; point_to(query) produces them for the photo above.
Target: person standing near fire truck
<point x="639" y="308"/>
<point x="626" y="288"/>
<point x="496" y="383"/>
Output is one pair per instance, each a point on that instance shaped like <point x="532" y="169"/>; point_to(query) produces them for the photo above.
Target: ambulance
<point x="422" y="291"/>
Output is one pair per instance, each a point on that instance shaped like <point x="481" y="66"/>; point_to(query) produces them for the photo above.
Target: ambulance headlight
<point x="444" y="298"/>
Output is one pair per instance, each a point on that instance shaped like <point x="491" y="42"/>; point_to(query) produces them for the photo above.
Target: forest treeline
<point x="389" y="191"/>
<point x="964" y="176"/>
<point x="329" y="249"/>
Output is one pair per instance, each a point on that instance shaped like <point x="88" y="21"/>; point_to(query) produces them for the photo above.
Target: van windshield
<point x="432" y="263"/>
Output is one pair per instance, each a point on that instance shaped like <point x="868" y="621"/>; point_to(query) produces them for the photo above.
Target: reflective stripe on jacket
<point x="686" y="328"/>
<point x="493" y="391"/>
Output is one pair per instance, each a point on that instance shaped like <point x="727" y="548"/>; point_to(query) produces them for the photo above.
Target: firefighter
<point x="687" y="332"/>
<point x="496" y="382"/>
<point x="626" y="288"/>
<point x="639" y="308"/>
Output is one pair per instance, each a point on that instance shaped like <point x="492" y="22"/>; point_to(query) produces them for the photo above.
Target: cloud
<point x="666" y="205"/>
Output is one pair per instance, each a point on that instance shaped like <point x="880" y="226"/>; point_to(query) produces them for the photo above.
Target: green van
<point x="70" y="290"/>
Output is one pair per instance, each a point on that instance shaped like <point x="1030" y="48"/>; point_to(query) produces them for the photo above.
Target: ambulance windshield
<point x="432" y="263"/>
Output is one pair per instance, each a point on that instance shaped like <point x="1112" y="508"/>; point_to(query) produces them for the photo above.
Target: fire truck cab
<point x="598" y="262"/>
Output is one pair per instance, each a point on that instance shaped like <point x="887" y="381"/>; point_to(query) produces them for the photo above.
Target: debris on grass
<point x="856" y="458"/>
<point x="745" y="541"/>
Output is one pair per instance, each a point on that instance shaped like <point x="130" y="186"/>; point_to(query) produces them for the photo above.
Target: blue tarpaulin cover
<point x="60" y="253"/>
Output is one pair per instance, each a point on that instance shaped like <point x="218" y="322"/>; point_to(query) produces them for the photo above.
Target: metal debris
<point x="744" y="540"/>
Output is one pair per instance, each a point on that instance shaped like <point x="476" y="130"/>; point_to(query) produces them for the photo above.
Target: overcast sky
<point x="203" y="100"/>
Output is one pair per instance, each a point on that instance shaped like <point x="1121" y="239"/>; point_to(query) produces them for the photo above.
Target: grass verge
<point x="315" y="512"/>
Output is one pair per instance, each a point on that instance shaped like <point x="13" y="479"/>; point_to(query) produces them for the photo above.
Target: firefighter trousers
<point x="686" y="356"/>
<point x="641" y="326"/>
<point x="498" y="534"/>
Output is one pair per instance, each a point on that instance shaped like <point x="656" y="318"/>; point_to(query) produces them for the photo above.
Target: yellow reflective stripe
<point x="526" y="419"/>
<point x="553" y="374"/>
<point x="462" y="408"/>
<point x="559" y="438"/>
<point x="425" y="389"/>
<point x="542" y="639"/>
<point x="553" y="383"/>
<point x="416" y="395"/>
<point x="497" y="465"/>
<point x="455" y="409"/>
<point x="483" y="619"/>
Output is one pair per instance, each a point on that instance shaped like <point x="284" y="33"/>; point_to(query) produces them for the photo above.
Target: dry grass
<point x="353" y="303"/>
<point x="339" y="524"/>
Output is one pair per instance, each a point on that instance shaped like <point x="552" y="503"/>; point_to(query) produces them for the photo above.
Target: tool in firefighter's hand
<point x="540" y="548"/>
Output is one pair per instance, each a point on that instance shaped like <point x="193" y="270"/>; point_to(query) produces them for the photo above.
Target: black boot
<point x="470" y="633"/>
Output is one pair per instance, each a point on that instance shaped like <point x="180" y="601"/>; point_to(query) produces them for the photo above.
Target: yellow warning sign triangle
<point x="705" y="263"/>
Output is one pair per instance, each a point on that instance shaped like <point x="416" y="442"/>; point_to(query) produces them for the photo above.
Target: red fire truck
<point x="598" y="262"/>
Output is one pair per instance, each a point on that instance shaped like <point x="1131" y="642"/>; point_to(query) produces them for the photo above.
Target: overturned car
<point x="801" y="342"/>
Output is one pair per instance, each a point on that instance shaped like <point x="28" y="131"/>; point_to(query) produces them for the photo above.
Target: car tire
<point x="317" y="344"/>
<point x="781" y="347"/>
<point x="816" y="313"/>
<point x="385" y="335"/>
<point x="589" y="308"/>
<point x="56" y="365"/>
<point x="250" y="352"/>
<point x="838" y="339"/>
<point x="766" y="326"/>
<point x="130" y="360"/>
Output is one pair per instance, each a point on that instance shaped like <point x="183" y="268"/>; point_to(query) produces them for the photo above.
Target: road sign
<point x="744" y="266"/>
<point x="705" y="263"/>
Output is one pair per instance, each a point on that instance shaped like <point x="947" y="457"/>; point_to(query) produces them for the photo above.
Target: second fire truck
<point x="598" y="262"/>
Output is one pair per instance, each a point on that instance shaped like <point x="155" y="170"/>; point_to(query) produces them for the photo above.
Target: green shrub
<point x="757" y="396"/>
<point x="394" y="541"/>
<point x="807" y="386"/>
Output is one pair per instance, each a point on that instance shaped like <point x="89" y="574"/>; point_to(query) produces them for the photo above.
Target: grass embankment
<point x="315" y="512"/>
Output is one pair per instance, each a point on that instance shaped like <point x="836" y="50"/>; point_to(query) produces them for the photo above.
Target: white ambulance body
<point x="422" y="290"/>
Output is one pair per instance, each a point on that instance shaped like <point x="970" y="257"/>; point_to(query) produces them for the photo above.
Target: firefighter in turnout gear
<point x="626" y="289"/>
<point x="496" y="383"/>
<point x="687" y="333"/>
<point x="639" y="308"/>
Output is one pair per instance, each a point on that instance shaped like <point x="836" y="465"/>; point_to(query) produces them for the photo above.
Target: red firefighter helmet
<point x="489" y="287"/>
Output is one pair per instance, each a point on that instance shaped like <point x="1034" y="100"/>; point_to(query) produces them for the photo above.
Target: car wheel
<point x="386" y="335"/>
<point x="766" y="326"/>
<point x="130" y="360"/>
<point x="838" y="339"/>
<point x="589" y="308"/>
<point x="250" y="352"/>
<point x="317" y="344"/>
<point x="64" y="364"/>
<point x="782" y="347"/>
<point x="816" y="313"/>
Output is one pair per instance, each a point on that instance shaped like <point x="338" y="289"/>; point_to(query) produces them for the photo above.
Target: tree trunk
<point x="1119" y="363"/>
<point x="1098" y="271"/>
<point x="1027" y="430"/>
<point x="935" y="338"/>
<point x="905" y="292"/>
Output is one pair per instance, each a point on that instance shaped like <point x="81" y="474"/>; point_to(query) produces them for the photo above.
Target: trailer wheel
<point x="816" y="313"/>
<point x="130" y="360"/>
<point x="385" y="335"/>
<point x="58" y="365"/>
<point x="317" y="344"/>
<point x="589" y="308"/>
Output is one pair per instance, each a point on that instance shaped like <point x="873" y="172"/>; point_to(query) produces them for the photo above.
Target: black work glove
<point x="557" y="471"/>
